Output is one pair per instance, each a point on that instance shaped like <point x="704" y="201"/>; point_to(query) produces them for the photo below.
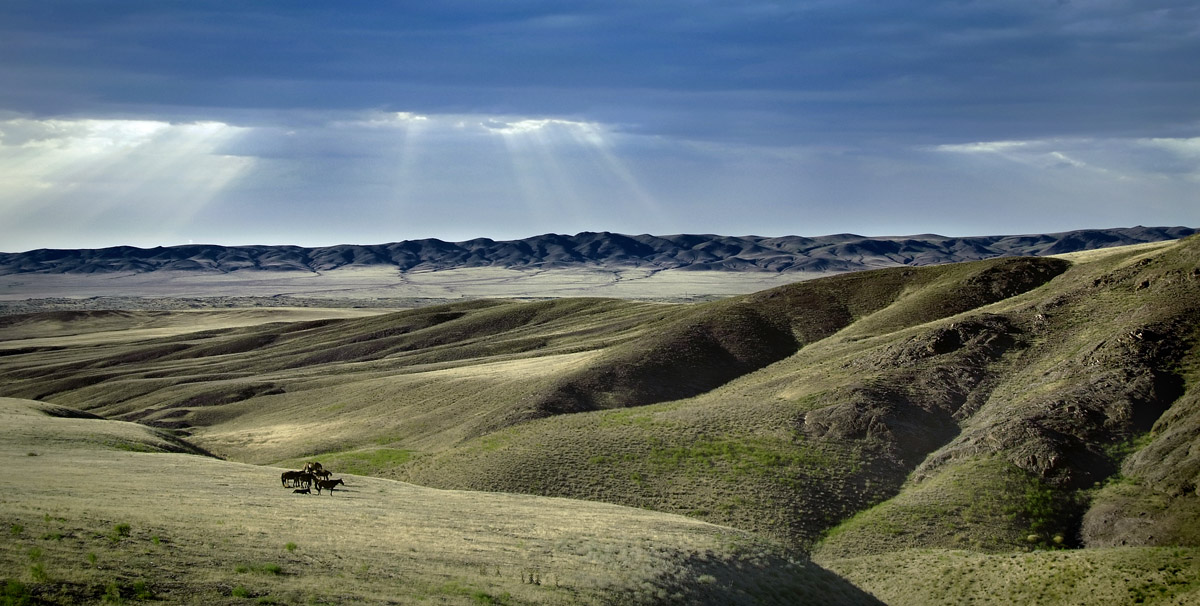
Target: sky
<point x="166" y="122"/>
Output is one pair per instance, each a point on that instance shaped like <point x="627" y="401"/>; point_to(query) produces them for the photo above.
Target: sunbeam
<point x="547" y="186"/>
<point x="569" y="169"/>
<point x="70" y="175"/>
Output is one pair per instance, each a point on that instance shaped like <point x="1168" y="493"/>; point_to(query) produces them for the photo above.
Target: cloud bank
<point x="318" y="124"/>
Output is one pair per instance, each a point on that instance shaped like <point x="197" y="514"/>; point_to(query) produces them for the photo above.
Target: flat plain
<point x="387" y="283"/>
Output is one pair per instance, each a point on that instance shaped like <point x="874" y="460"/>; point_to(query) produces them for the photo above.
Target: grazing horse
<point x="296" y="479"/>
<point x="290" y="476"/>
<point x="322" y="474"/>
<point x="306" y="479"/>
<point x="329" y="484"/>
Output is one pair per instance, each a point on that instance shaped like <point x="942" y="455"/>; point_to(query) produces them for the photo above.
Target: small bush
<point x="16" y="530"/>
<point x="240" y="592"/>
<point x="271" y="569"/>
<point x="481" y="597"/>
<point x="142" y="591"/>
<point x="290" y="546"/>
<point x="16" y="594"/>
<point x="119" y="531"/>
<point x="112" y="593"/>
<point x="38" y="572"/>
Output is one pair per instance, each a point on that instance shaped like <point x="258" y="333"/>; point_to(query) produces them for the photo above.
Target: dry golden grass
<point x="1160" y="576"/>
<point x="385" y="282"/>
<point x="94" y="508"/>
<point x="67" y="329"/>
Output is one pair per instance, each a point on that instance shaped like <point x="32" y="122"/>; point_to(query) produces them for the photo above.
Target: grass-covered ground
<point x="97" y="511"/>
<point x="989" y="409"/>
<point x="1117" y="576"/>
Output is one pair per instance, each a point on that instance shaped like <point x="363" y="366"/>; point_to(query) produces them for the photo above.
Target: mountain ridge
<point x="836" y="253"/>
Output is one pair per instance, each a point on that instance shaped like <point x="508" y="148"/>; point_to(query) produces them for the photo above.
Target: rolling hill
<point x="1004" y="430"/>
<point x="197" y="530"/>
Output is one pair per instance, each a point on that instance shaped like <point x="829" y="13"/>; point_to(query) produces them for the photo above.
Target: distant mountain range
<point x="824" y="254"/>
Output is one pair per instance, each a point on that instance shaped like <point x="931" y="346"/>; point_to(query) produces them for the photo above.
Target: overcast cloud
<point x="159" y="123"/>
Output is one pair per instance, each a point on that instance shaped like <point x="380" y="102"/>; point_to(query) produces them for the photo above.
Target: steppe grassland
<point x="417" y="394"/>
<point x="430" y="409"/>
<point x="1122" y="575"/>
<point x="761" y="402"/>
<point x="387" y="282"/>
<point x="135" y="326"/>
<point x="428" y="405"/>
<point x="1166" y="576"/>
<point x="111" y="515"/>
<point x="1085" y="256"/>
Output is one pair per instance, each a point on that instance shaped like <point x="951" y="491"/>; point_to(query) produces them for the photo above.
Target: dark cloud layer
<point x="134" y="122"/>
<point x="771" y="71"/>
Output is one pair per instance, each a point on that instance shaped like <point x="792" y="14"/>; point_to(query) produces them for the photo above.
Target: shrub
<point x="112" y="593"/>
<point x="271" y="569"/>
<point x="38" y="572"/>
<point x="119" y="531"/>
<point x="16" y="594"/>
<point x="142" y="591"/>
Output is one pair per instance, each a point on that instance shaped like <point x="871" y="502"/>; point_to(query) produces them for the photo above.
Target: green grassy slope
<point x="1129" y="576"/>
<point x="1085" y="441"/>
<point x="760" y="452"/>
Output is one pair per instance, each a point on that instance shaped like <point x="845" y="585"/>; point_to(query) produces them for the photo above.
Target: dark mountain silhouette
<point x="825" y="254"/>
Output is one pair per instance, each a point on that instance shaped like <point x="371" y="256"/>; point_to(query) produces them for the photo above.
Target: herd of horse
<point x="313" y="475"/>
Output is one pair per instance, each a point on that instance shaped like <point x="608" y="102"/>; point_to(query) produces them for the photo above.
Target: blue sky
<point x="166" y="122"/>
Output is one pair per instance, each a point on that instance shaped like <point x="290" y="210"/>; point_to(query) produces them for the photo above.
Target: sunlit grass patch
<point x="373" y="461"/>
<point x="1131" y="575"/>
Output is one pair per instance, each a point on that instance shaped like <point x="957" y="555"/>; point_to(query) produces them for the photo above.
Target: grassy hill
<point x="118" y="513"/>
<point x="950" y="416"/>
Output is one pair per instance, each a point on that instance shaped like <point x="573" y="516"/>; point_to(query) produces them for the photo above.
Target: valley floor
<point x="365" y="283"/>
